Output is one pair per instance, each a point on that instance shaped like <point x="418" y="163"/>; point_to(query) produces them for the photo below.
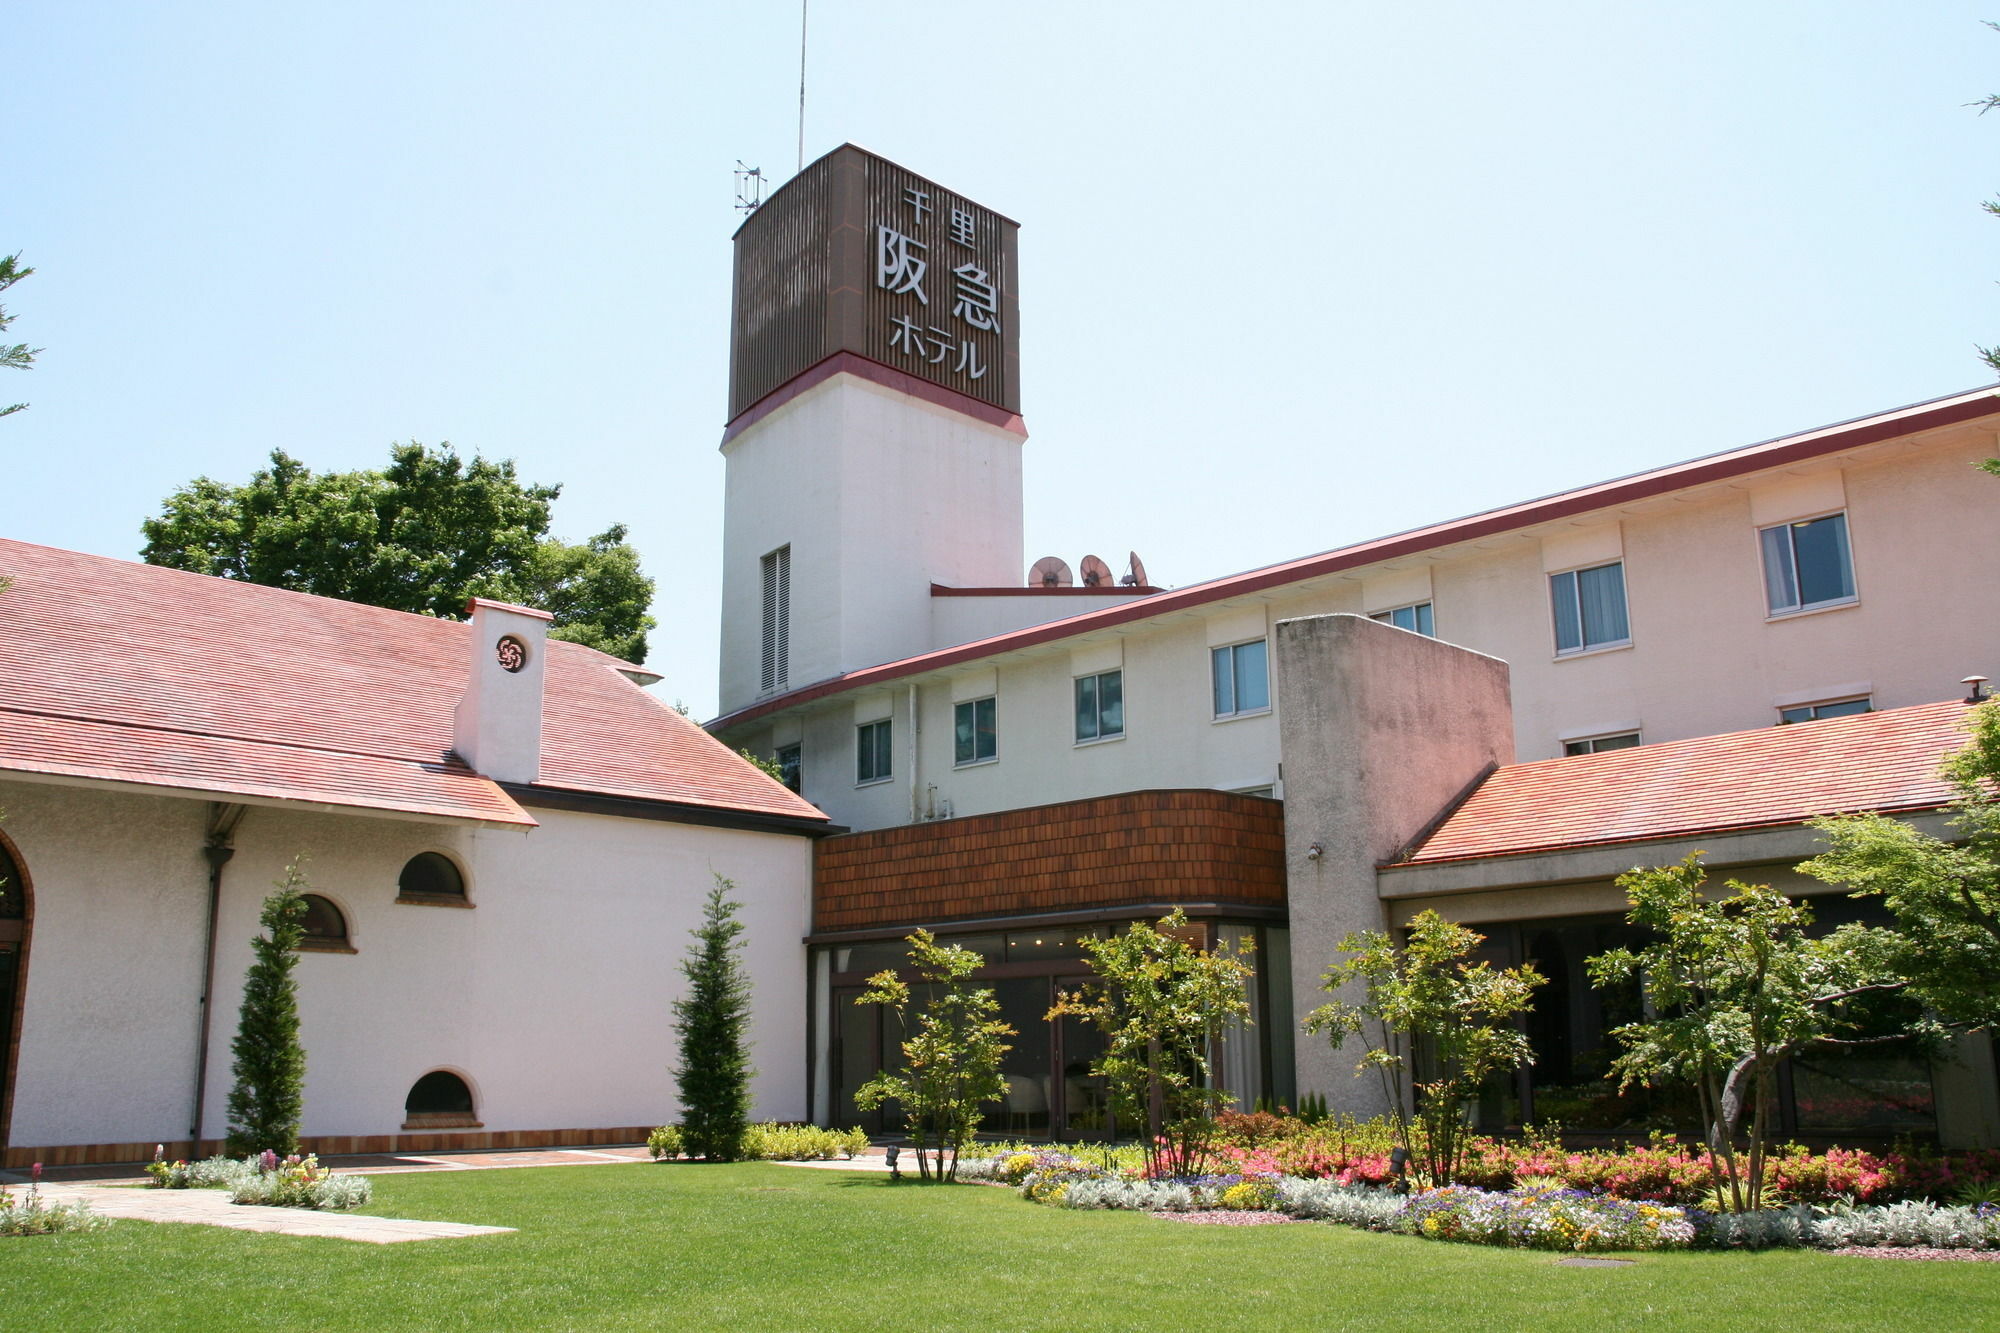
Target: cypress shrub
<point x="711" y="1022"/>
<point x="268" y="1099"/>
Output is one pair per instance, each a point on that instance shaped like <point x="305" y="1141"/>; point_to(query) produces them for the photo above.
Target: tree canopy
<point x="16" y="356"/>
<point x="421" y="535"/>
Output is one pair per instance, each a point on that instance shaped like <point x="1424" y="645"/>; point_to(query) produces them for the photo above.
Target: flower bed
<point x="1543" y="1217"/>
<point x="28" y="1214"/>
<point x="772" y="1142"/>
<point x="289" y="1182"/>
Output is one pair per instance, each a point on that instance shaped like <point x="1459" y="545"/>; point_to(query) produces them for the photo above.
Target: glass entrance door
<point x="1084" y="1100"/>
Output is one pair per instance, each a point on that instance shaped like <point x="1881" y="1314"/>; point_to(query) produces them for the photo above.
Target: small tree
<point x="1442" y="1026"/>
<point x="1736" y="986"/>
<point x="1945" y="896"/>
<point x="14" y="356"/>
<point x="712" y="1022"/>
<point x="951" y="1062"/>
<point x="1162" y="1004"/>
<point x="268" y="1099"/>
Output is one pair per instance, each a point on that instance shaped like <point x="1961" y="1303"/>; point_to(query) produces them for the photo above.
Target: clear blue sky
<point x="1367" y="265"/>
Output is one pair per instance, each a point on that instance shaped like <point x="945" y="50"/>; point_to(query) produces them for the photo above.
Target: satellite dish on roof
<point x="1050" y="572"/>
<point x="1096" y="574"/>
<point x="1135" y="571"/>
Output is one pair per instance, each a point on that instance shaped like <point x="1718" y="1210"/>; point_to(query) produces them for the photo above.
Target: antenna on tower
<point x="749" y="187"/>
<point x="802" y="84"/>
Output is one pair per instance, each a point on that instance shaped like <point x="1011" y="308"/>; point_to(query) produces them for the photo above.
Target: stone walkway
<point x="213" y="1208"/>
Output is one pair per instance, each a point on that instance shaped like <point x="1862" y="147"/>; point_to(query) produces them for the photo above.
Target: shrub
<point x="1249" y="1195"/>
<point x="300" y="1182"/>
<point x="1545" y="1220"/>
<point x="664" y="1142"/>
<point x="800" y="1143"/>
<point x="28" y="1214"/>
<point x="1255" y="1129"/>
<point x="214" y="1173"/>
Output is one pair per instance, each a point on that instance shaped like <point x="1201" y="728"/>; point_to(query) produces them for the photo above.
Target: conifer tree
<point x="711" y="1022"/>
<point x="268" y="1099"/>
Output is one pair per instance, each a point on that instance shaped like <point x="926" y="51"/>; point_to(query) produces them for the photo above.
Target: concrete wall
<point x="1381" y="729"/>
<point x="550" y="995"/>
<point x="879" y="495"/>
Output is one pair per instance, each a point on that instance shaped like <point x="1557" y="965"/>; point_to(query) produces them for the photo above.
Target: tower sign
<point x="855" y="254"/>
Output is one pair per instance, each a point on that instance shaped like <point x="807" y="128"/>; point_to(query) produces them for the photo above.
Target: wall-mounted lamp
<point x="1314" y="851"/>
<point x="1976" y="689"/>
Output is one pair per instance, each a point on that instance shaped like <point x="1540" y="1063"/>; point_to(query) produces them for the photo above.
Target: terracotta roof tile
<point x="1747" y="779"/>
<point x="123" y="672"/>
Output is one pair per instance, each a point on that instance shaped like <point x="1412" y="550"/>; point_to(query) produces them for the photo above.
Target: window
<point x="439" y="1100"/>
<point x="1416" y="619"/>
<point x="788" y="766"/>
<point x="1100" y="706"/>
<point x="1589" y="607"/>
<point x="1807" y="564"/>
<point x="871" y="751"/>
<point x="431" y="878"/>
<point x="325" y="926"/>
<point x="1832" y="708"/>
<point x="1242" y="678"/>
<point x="974" y="737"/>
<point x="777" y="655"/>
<point x="1599" y="744"/>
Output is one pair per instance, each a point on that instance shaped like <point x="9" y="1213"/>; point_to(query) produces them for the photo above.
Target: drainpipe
<point x="216" y="848"/>
<point x="916" y="781"/>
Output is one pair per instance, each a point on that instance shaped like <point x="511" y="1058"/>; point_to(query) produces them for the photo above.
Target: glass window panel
<point x="1086" y="708"/>
<point x="871" y="751"/>
<point x="1781" y="585"/>
<point x="963" y="742"/>
<point x="1222" y="667"/>
<point x="1029" y="946"/>
<point x="1253" y="680"/>
<point x="986" y="729"/>
<point x="1601" y="597"/>
<point x="1423" y="619"/>
<point x="1111" y="704"/>
<point x="1820" y="553"/>
<point x="1863" y="1092"/>
<point x="1845" y="708"/>
<point x="1404" y="617"/>
<point x="790" y="771"/>
<point x="1562" y="599"/>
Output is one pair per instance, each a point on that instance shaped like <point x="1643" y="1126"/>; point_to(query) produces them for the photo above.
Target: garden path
<point x="213" y="1208"/>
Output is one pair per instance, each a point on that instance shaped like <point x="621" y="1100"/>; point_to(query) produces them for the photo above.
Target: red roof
<point x="1773" y="776"/>
<point x="122" y="672"/>
<point x="1817" y="443"/>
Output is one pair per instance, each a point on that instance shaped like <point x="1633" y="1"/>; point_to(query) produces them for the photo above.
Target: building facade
<point x="961" y="713"/>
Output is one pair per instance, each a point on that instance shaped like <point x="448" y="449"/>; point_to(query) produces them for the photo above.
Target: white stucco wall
<point x="879" y="495"/>
<point x="551" y="995"/>
<point x="1705" y="657"/>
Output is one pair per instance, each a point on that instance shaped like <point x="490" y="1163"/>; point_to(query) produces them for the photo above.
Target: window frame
<point x="883" y="750"/>
<point x="1101" y="737"/>
<point x="1593" y="742"/>
<point x="791" y="773"/>
<point x="775" y="627"/>
<point x="1586" y="646"/>
<point x="1867" y="702"/>
<point x="1423" y="616"/>
<point x="344" y="943"/>
<point x="463" y="898"/>
<point x="1215" y="657"/>
<point x="1790" y="528"/>
<point x="993" y="731"/>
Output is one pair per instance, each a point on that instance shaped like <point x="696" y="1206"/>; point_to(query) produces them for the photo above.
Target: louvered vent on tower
<point x="777" y="659"/>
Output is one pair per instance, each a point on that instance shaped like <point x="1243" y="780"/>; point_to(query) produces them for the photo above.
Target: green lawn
<point x="764" y="1246"/>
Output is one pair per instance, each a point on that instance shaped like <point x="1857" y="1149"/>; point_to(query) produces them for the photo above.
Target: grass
<point x="765" y="1246"/>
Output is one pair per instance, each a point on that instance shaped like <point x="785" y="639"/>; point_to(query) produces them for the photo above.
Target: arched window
<point x="431" y="878"/>
<point x="13" y="897"/>
<point x="439" y="1100"/>
<point x="326" y="927"/>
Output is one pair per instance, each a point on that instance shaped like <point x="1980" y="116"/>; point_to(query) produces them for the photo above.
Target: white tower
<point x="874" y="442"/>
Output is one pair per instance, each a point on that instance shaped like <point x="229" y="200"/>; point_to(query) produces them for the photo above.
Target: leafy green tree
<point x="422" y="535"/>
<point x="712" y="1023"/>
<point x="1945" y="896"/>
<point x="1736" y="985"/>
<point x="951" y="1061"/>
<point x="1442" y="1026"/>
<point x="1162" y="1004"/>
<point x="268" y="1099"/>
<point x="15" y="356"/>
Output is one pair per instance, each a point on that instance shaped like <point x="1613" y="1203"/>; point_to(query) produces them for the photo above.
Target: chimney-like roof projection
<point x="122" y="673"/>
